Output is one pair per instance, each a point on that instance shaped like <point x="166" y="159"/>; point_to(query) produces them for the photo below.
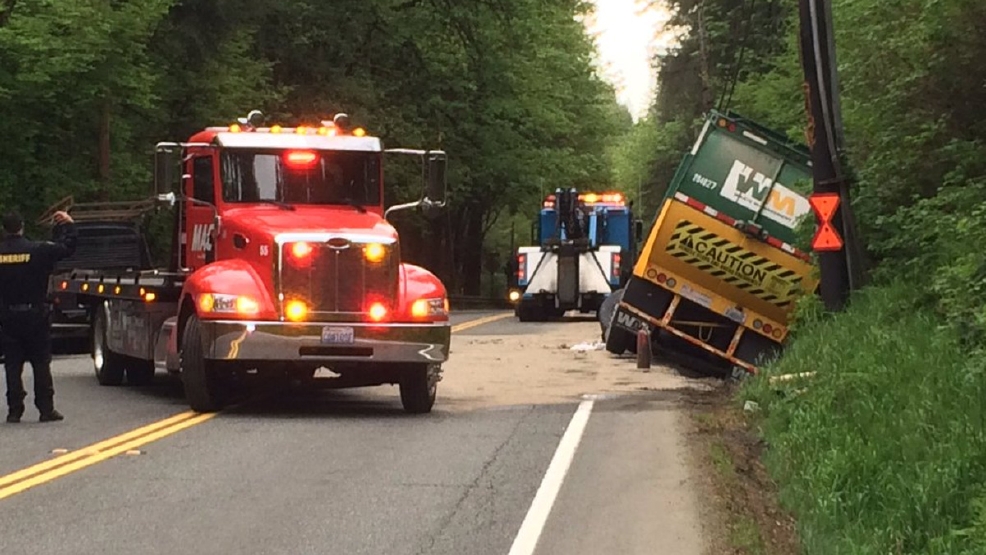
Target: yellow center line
<point x="93" y="449"/>
<point x="44" y="472"/>
<point x="480" y="321"/>
<point x="102" y="455"/>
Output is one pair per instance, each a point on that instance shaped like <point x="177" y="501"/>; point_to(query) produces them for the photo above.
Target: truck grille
<point x="337" y="278"/>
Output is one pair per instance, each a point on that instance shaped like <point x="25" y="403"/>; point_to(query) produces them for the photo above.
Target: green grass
<point x="884" y="452"/>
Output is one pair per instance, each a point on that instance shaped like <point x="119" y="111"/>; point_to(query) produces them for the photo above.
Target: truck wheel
<point x="531" y="312"/>
<point x="140" y="372"/>
<point x="109" y="366"/>
<point x="619" y="341"/>
<point x="419" y="385"/>
<point x="203" y="388"/>
<point x="606" y="309"/>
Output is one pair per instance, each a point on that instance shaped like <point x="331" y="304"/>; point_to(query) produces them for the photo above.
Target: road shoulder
<point x="631" y="489"/>
<point x="742" y="512"/>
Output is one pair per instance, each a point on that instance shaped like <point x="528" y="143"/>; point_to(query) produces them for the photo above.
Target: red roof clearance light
<point x="302" y="158"/>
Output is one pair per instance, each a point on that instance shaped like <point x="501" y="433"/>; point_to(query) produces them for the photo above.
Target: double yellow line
<point x="47" y="471"/>
<point x="73" y="461"/>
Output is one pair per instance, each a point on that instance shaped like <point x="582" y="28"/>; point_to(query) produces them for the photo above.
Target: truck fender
<point x="418" y="283"/>
<point x="231" y="277"/>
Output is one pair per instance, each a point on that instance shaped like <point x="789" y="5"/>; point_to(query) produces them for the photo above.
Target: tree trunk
<point x="104" y="151"/>
<point x="469" y="254"/>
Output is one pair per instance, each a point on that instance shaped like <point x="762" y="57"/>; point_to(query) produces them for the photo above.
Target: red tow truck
<point x="282" y="263"/>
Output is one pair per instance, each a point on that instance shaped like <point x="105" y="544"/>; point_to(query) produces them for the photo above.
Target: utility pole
<point x="839" y="259"/>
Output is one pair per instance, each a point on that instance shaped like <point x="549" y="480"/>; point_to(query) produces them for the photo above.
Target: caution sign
<point x="733" y="264"/>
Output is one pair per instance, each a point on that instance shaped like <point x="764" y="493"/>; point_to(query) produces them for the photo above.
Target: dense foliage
<point x="507" y="87"/>
<point x="883" y="451"/>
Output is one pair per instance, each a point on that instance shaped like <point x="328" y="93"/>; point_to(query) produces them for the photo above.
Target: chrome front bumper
<point x="284" y="341"/>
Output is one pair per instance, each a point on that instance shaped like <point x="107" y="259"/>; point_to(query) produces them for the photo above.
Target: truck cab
<point x="283" y="262"/>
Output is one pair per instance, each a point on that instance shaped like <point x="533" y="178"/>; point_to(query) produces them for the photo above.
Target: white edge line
<point x="530" y="531"/>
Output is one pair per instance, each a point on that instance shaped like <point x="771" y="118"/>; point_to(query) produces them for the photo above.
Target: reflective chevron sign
<point x="733" y="264"/>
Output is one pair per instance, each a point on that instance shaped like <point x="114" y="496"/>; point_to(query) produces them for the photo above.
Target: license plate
<point x="337" y="335"/>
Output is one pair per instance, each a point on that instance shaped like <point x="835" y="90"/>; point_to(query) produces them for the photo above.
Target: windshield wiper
<point x="278" y="203"/>
<point x="359" y="207"/>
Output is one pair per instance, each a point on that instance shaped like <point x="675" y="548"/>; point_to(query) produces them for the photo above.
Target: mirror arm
<point x="404" y="206"/>
<point x="171" y="198"/>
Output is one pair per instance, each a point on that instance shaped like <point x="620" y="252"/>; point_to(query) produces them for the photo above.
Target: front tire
<point x="110" y="367"/>
<point x="419" y="387"/>
<point x="203" y="388"/>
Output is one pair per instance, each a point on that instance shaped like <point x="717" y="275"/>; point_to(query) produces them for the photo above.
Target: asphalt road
<point x="349" y="472"/>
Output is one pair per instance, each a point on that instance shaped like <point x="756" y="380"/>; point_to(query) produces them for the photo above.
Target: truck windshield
<point x="301" y="177"/>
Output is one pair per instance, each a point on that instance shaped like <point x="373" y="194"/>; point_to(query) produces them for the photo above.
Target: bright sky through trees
<point x="628" y="34"/>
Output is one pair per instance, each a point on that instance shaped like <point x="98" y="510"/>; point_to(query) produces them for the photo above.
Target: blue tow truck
<point x="586" y="247"/>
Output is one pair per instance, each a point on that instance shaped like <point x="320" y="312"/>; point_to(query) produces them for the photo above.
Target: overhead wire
<point x="726" y="95"/>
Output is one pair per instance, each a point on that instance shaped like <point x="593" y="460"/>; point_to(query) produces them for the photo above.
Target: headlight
<point x="514" y="296"/>
<point x="423" y="308"/>
<point x="227" y="304"/>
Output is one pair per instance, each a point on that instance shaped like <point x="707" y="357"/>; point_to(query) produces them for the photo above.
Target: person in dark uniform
<point x="25" y="267"/>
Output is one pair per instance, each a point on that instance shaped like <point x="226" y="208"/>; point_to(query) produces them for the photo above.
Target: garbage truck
<point x="719" y="273"/>
<point x="586" y="245"/>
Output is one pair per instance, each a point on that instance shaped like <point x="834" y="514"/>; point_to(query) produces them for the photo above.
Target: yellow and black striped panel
<point x="733" y="264"/>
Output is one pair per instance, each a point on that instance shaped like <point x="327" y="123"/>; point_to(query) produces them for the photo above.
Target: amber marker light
<point x="374" y="252"/>
<point x="296" y="311"/>
<point x="206" y="302"/>
<point x="420" y="308"/>
<point x="301" y="250"/>
<point x="246" y="305"/>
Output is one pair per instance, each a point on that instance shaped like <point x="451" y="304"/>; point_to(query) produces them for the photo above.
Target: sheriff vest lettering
<point x="733" y="264"/>
<point x="21" y="258"/>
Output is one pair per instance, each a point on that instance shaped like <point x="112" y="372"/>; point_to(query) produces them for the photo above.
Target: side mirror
<point x="167" y="156"/>
<point x="435" y="163"/>
<point x="638" y="229"/>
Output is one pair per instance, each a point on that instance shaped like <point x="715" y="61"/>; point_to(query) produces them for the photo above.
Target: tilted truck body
<point x="586" y="247"/>
<point x="282" y="263"/>
<point x="718" y="269"/>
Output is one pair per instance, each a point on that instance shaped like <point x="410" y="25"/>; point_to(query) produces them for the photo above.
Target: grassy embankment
<point x="883" y="450"/>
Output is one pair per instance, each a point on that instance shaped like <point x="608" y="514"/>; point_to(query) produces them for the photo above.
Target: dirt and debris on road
<point x="542" y="367"/>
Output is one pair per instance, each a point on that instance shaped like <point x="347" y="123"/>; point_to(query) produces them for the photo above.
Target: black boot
<point x="53" y="416"/>
<point x="14" y="415"/>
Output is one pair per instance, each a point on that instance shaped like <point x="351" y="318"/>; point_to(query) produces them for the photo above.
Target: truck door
<point x="200" y="225"/>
